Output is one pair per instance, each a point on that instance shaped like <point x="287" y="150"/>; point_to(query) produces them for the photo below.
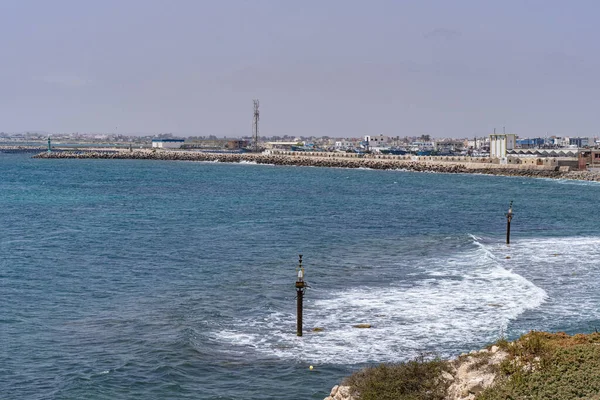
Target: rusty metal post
<point x="300" y="288"/>
<point x="509" y="216"/>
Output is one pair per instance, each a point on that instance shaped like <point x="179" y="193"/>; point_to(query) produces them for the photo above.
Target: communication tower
<point x="255" y="125"/>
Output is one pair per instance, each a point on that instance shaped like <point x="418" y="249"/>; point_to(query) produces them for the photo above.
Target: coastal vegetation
<point x="418" y="379"/>
<point x="549" y="366"/>
<point x="538" y="365"/>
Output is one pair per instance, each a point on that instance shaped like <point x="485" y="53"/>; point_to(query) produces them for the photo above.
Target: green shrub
<point x="550" y="367"/>
<point x="418" y="379"/>
<point x="502" y="343"/>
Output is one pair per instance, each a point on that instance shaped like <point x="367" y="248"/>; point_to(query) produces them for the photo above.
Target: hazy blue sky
<point x="321" y="67"/>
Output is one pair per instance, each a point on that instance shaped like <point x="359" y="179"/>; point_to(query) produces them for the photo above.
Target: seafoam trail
<point x="466" y="299"/>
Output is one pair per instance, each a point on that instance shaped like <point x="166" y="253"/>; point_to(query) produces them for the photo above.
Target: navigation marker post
<point x="300" y="288"/>
<point x="509" y="216"/>
<point x="49" y="145"/>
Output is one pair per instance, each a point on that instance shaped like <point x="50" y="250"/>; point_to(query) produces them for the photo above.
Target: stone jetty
<point x="408" y="163"/>
<point x="20" y="149"/>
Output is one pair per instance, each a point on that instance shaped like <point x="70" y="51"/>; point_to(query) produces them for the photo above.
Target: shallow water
<point x="125" y="279"/>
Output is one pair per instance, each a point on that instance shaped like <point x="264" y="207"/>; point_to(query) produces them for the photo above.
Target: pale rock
<point x="334" y="390"/>
<point x="343" y="393"/>
<point x="339" y="392"/>
<point x="476" y="386"/>
<point x="447" y="376"/>
<point x="469" y="381"/>
<point x="494" y="349"/>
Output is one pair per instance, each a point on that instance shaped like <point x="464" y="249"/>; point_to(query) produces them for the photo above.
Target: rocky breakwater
<point x="582" y="176"/>
<point x="329" y="161"/>
<point x="20" y="149"/>
<point x="272" y="159"/>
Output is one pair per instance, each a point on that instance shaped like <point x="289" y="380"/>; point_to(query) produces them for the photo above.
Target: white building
<point x="344" y="145"/>
<point x="559" y="141"/>
<point x="500" y="143"/>
<point x="378" y="141"/>
<point x="476" y="143"/>
<point x="422" y="146"/>
<point x="167" y="143"/>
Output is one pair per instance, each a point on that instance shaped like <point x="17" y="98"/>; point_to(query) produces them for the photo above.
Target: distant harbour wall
<point x="56" y="149"/>
<point x="20" y="149"/>
<point x="464" y="165"/>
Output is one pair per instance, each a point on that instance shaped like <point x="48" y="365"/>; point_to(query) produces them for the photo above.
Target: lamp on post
<point x="300" y="288"/>
<point x="509" y="216"/>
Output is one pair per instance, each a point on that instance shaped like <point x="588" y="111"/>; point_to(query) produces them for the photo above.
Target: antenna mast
<point x="255" y="125"/>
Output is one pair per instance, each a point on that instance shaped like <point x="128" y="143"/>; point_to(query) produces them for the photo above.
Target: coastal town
<point x="567" y="153"/>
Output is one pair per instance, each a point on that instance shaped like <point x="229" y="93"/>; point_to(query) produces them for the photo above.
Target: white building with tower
<point x="501" y="143"/>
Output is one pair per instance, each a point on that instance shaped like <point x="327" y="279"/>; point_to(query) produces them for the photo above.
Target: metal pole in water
<point x="300" y="288"/>
<point x="49" y="145"/>
<point x="509" y="216"/>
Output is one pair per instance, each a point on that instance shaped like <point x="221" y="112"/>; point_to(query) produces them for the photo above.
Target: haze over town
<point x="337" y="68"/>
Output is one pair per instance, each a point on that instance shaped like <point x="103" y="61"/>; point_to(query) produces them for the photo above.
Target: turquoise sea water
<point x="128" y="279"/>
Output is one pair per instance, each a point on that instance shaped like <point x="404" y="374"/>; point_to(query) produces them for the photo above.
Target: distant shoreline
<point x="331" y="160"/>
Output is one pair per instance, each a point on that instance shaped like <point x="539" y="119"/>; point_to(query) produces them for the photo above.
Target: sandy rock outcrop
<point x="473" y="373"/>
<point x="340" y="393"/>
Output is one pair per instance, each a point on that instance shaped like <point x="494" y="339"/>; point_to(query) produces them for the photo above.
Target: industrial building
<point x="501" y="143"/>
<point x="589" y="159"/>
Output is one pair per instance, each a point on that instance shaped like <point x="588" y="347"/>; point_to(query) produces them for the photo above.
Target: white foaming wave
<point x="488" y="253"/>
<point x="574" y="182"/>
<point x="568" y="269"/>
<point x="246" y="162"/>
<point x="466" y="299"/>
